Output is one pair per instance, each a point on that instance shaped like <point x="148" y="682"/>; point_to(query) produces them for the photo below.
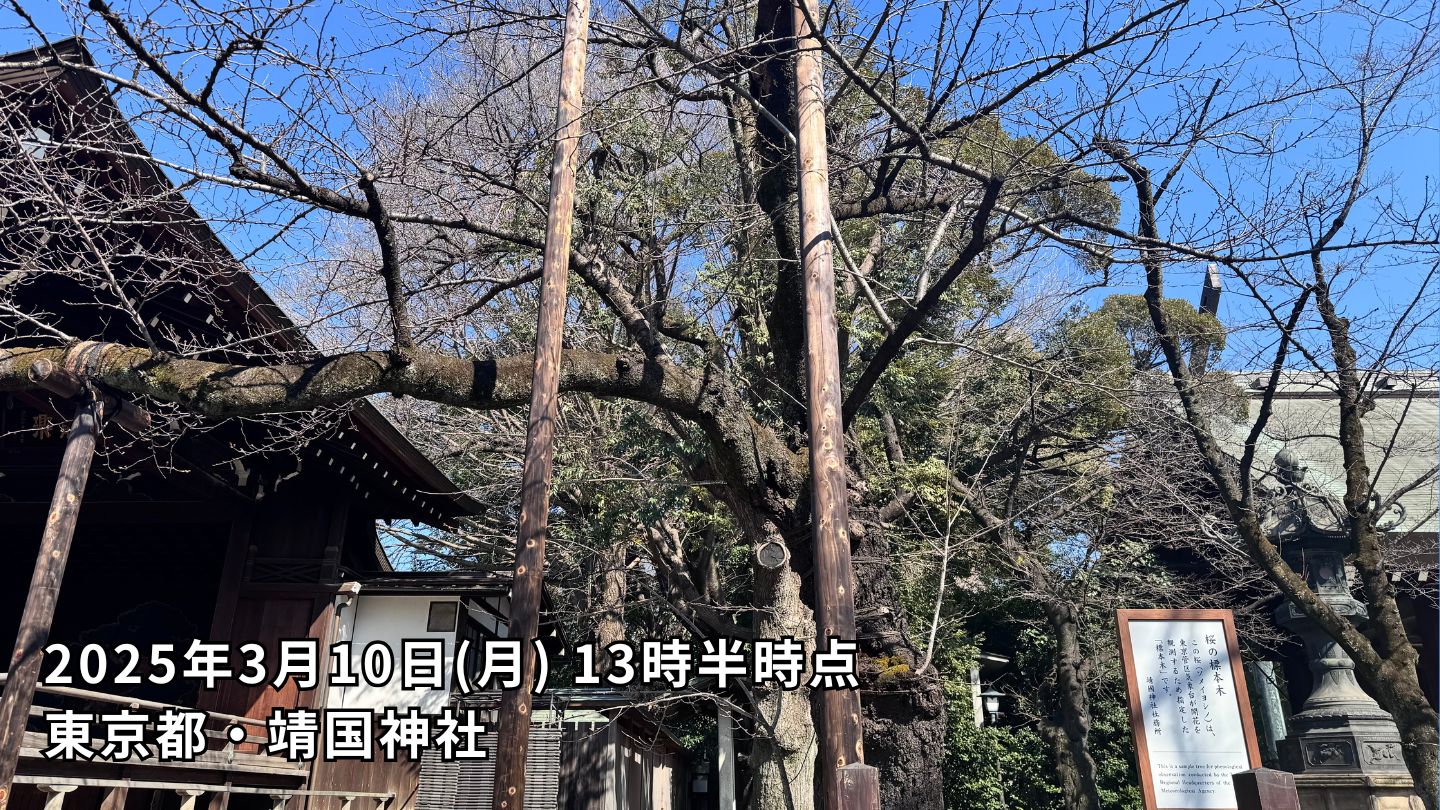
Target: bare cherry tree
<point x="1339" y="225"/>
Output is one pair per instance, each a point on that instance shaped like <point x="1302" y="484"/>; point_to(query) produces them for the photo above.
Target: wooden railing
<point x="56" y="788"/>
<point x="134" y="703"/>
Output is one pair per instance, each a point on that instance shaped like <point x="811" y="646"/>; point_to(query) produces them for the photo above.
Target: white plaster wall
<point x="390" y="619"/>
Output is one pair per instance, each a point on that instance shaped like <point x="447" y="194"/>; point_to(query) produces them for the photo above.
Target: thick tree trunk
<point x="1077" y="772"/>
<point x="904" y="710"/>
<point x="772" y="84"/>
<point x="1395" y="684"/>
<point x="905" y="736"/>
<point x="1067" y="775"/>
<point x="608" y="608"/>
<point x="1419" y="740"/>
<point x="1401" y="694"/>
<point x="782" y="755"/>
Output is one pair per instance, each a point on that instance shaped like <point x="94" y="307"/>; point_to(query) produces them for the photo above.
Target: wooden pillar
<point x="725" y="759"/>
<point x="115" y="798"/>
<point x="188" y="797"/>
<point x="39" y="612"/>
<point x="841" y="743"/>
<point x="279" y="800"/>
<point x="55" y="795"/>
<point x="513" y="737"/>
<point x="220" y="799"/>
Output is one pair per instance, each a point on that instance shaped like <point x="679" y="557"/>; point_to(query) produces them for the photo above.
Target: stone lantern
<point x="1340" y="730"/>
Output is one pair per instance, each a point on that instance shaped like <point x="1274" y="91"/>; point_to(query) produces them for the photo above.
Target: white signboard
<point x="1189" y="709"/>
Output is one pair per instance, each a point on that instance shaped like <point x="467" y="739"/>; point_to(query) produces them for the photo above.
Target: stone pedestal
<point x="1340" y="729"/>
<point x="1322" y="791"/>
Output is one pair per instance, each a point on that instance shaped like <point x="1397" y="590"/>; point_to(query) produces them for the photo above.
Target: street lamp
<point x="991" y="700"/>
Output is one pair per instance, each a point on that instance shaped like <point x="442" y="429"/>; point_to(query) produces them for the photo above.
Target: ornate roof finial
<point x="1290" y="468"/>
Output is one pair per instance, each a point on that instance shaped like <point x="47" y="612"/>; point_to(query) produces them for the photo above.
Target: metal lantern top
<point x="1301" y="510"/>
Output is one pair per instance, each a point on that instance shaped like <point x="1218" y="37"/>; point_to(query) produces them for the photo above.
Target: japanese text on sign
<point x="1190" y="718"/>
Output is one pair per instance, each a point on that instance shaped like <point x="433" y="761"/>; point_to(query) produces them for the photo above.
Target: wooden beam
<point x="129" y="513"/>
<point x="44" y="591"/>
<point x="206" y="787"/>
<point x="513" y="740"/>
<point x="231" y="573"/>
<point x="841" y="739"/>
<point x="66" y="383"/>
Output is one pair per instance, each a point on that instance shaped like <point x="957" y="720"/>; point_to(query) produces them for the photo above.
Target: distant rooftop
<point x="222" y="304"/>
<point x="432" y="582"/>
<point x="1402" y="435"/>
<point x="1383" y="384"/>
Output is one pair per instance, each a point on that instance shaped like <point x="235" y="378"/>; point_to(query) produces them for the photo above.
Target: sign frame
<point x="1123" y="618"/>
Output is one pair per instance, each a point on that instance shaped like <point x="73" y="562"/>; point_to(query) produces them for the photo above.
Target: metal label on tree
<point x="1189" y="708"/>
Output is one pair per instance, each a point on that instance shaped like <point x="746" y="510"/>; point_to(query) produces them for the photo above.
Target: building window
<point x="443" y="617"/>
<point x="37" y="143"/>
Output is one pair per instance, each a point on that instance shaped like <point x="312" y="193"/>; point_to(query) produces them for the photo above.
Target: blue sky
<point x="1243" y="53"/>
<point x="1249" y="55"/>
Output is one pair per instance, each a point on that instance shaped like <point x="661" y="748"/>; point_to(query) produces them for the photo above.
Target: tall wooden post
<point x="45" y="588"/>
<point x="725" y="759"/>
<point x="514" y="732"/>
<point x="841" y="744"/>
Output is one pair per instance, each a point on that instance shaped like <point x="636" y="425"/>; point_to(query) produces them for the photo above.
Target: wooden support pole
<point x="188" y="797"/>
<point x="859" y="785"/>
<point x="44" y="591"/>
<point x="513" y="738"/>
<point x="725" y="758"/>
<point x="841" y="742"/>
<point x="115" y="798"/>
<point x="55" y="795"/>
